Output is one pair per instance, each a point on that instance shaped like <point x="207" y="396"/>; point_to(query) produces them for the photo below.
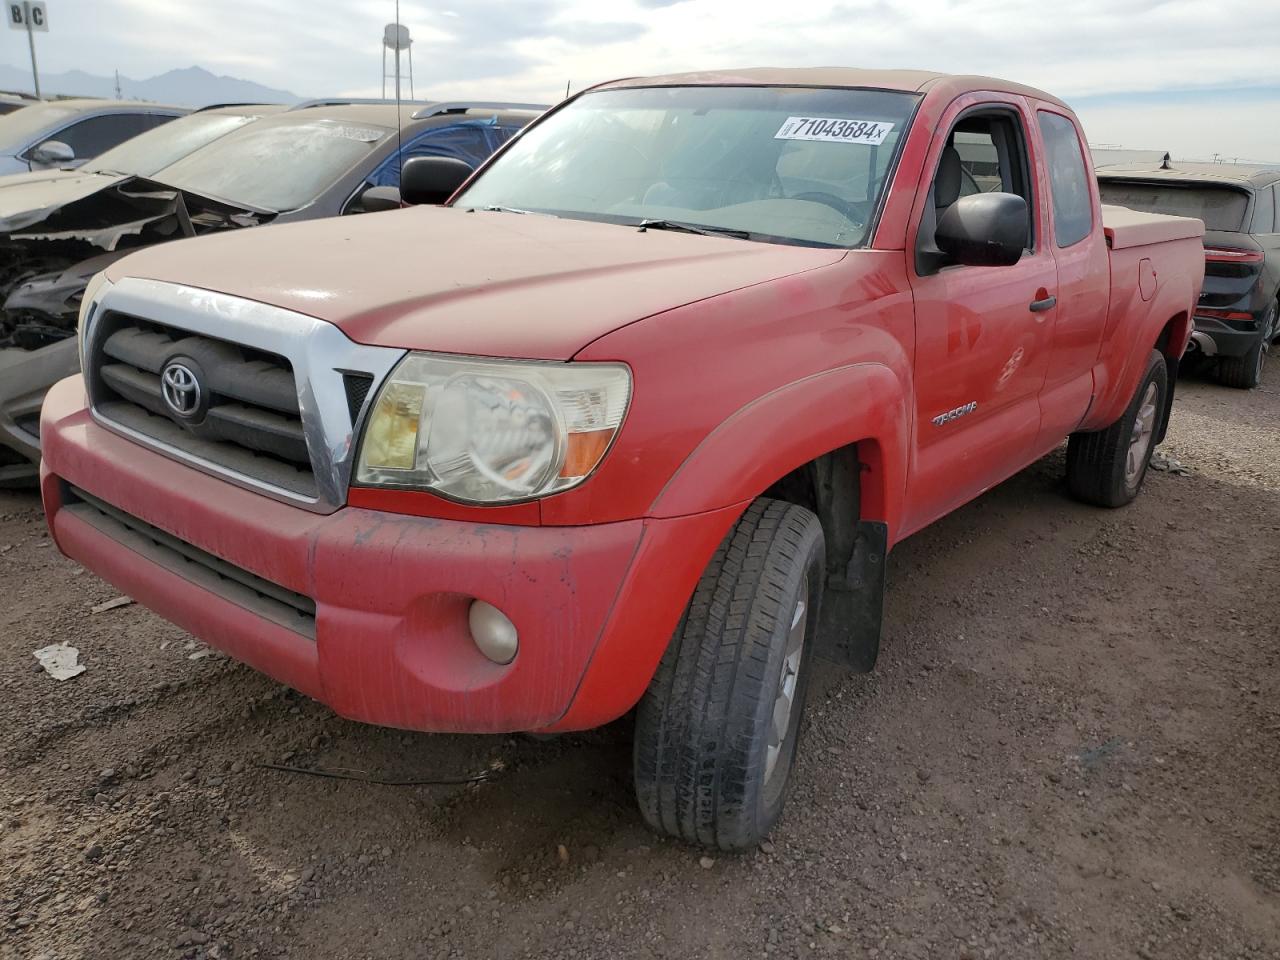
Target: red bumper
<point x="594" y="606"/>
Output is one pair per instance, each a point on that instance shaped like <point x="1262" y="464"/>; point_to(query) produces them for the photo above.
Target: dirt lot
<point x="1071" y="747"/>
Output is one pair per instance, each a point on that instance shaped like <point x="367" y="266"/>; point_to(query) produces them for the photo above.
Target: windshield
<point x="785" y="165"/>
<point x="151" y="151"/>
<point x="275" y="165"/>
<point x="1221" y="208"/>
<point x="17" y="128"/>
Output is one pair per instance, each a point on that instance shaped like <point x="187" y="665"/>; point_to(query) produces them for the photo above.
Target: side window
<point x="1264" y="211"/>
<point x="467" y="143"/>
<point x="985" y="153"/>
<point x="1068" y="180"/>
<point x="92" y="136"/>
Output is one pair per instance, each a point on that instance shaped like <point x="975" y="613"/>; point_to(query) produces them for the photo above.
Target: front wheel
<point x="716" y="731"/>
<point x="1106" y="467"/>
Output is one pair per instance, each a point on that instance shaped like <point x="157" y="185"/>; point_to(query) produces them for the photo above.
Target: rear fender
<point x="1163" y="323"/>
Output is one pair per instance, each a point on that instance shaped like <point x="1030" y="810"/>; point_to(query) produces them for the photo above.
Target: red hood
<point x="490" y="284"/>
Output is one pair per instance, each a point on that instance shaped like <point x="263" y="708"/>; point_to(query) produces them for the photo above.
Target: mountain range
<point x="190" y="86"/>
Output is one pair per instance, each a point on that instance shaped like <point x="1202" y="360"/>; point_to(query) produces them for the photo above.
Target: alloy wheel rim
<point x="781" y="720"/>
<point x="1140" y="440"/>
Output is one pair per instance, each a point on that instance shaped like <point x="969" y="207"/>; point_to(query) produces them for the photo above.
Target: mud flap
<point x="853" y="604"/>
<point x="1171" y="371"/>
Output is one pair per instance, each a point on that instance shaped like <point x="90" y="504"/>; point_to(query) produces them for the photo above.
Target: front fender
<point x="774" y="434"/>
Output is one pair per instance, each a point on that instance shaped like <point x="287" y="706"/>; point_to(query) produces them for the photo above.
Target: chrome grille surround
<point x="319" y="353"/>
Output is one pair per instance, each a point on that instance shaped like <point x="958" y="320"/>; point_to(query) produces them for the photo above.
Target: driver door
<point x="983" y="334"/>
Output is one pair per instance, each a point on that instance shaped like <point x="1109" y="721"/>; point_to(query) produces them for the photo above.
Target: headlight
<point x="491" y="431"/>
<point x="93" y="292"/>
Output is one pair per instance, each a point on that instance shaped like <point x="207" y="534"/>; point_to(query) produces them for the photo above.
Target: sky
<point x="1194" y="78"/>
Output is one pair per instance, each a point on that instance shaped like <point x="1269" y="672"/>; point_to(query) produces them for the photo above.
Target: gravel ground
<point x="1070" y="748"/>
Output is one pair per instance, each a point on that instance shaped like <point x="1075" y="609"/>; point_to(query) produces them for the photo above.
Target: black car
<point x="1238" y="317"/>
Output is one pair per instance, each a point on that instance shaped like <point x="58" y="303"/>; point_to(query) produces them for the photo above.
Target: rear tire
<point x="716" y="731"/>
<point x="1244" y="373"/>
<point x="1107" y="467"/>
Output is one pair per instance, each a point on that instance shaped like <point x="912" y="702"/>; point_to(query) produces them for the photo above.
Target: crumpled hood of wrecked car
<point x="27" y="198"/>
<point x="483" y="283"/>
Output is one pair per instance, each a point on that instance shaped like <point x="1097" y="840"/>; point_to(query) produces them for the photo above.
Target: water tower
<point x="395" y="37"/>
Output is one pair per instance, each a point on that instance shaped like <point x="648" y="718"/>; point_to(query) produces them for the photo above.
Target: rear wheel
<point x="1106" y="467"/>
<point x="717" y="729"/>
<point x="1244" y="373"/>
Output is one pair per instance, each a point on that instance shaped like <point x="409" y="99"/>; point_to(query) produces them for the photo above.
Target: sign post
<point x="30" y="15"/>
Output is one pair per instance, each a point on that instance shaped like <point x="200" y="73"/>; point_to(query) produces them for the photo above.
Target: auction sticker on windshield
<point x="870" y="132"/>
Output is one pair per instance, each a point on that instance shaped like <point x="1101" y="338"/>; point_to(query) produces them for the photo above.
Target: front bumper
<point x="389" y="641"/>
<point x="25" y="378"/>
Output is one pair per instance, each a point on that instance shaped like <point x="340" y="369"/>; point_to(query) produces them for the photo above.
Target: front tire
<point x="1107" y="467"/>
<point x="716" y="732"/>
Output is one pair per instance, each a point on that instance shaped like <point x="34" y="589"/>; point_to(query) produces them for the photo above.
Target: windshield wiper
<point x="496" y="208"/>
<point x="680" y="227"/>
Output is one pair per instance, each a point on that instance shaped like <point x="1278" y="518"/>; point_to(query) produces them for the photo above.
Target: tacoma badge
<point x="943" y="419"/>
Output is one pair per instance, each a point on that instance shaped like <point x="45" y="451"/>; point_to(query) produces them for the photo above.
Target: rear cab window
<point x="1068" y="179"/>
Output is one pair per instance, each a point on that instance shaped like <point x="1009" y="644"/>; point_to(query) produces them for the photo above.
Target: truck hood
<point x="483" y="283"/>
<point x="27" y="198"/>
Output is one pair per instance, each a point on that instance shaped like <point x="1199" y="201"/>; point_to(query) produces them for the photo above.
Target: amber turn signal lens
<point x="584" y="451"/>
<point x="391" y="439"/>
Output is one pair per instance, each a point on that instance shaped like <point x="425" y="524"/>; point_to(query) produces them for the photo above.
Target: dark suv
<point x="1236" y="319"/>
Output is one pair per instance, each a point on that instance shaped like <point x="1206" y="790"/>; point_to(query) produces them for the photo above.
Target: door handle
<point x="1043" y="304"/>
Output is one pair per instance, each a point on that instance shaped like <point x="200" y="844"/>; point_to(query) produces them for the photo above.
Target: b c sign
<point x="32" y="14"/>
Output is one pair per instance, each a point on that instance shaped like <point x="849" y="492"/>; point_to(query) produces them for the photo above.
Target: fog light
<point x="492" y="632"/>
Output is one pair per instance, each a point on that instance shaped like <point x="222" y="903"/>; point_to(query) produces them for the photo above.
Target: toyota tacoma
<point x="632" y="420"/>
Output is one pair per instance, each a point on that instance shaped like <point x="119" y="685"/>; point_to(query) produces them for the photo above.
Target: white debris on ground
<point x="112" y="604"/>
<point x="1162" y="461"/>
<point x="60" y="661"/>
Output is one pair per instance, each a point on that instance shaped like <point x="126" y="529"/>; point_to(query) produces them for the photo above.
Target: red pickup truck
<point x="634" y="418"/>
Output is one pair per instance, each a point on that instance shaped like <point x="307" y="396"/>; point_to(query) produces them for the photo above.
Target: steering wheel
<point x="846" y="208"/>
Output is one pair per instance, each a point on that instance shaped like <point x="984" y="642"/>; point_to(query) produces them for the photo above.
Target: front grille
<point x="357" y="386"/>
<point x="247" y="420"/>
<point x="248" y="590"/>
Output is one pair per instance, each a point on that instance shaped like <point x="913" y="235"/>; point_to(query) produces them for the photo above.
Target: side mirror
<point x="984" y="230"/>
<point x="53" y="153"/>
<point x="432" y="179"/>
<point x="376" y="199"/>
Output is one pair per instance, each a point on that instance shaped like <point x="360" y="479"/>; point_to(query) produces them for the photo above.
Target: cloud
<point x="528" y="49"/>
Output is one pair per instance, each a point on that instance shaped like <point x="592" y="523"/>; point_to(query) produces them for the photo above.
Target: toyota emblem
<point x="181" y="389"/>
